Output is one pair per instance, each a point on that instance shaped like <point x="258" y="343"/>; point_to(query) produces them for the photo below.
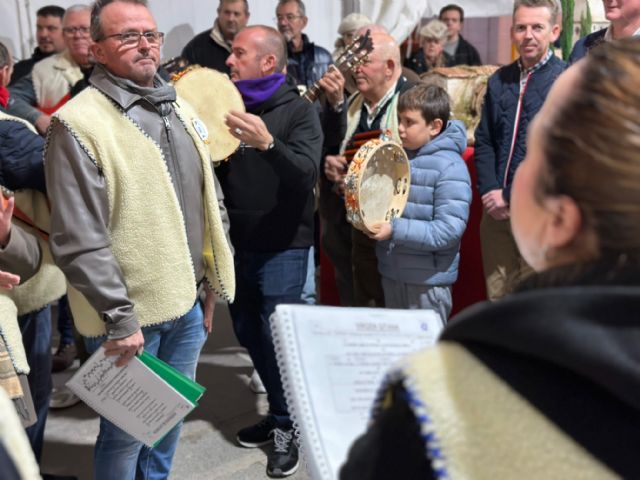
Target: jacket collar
<point x="218" y="38"/>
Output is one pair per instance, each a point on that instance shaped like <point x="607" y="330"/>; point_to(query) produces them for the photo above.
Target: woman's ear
<point x="566" y="222"/>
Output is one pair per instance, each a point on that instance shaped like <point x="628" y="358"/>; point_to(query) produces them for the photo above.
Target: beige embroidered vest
<point x="389" y="123"/>
<point x="482" y="428"/>
<point x="143" y="209"/>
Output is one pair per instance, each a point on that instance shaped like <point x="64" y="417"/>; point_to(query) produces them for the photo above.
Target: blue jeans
<point x="65" y="322"/>
<point x="309" y="288"/>
<point x="36" y="337"/>
<point x="264" y="280"/>
<point x="118" y="455"/>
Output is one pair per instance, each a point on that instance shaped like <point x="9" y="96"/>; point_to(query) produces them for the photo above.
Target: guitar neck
<point x="312" y="93"/>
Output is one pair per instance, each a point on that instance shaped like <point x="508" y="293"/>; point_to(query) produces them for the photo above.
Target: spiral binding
<point x="289" y="365"/>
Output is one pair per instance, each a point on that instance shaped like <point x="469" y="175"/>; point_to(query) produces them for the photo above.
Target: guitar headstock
<point x="355" y="53"/>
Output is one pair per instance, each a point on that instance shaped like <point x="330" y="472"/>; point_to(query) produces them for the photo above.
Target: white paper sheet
<point x="132" y="397"/>
<point x="332" y="361"/>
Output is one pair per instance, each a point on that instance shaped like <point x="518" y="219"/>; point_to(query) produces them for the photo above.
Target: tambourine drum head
<point x="212" y="94"/>
<point x="377" y="184"/>
<point x="376" y="189"/>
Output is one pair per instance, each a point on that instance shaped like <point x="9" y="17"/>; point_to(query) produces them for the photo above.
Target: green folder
<point x="189" y="389"/>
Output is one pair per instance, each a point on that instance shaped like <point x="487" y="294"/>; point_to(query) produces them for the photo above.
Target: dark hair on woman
<point x="592" y="147"/>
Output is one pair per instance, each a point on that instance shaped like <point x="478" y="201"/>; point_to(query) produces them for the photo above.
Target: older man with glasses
<point x="307" y="62"/>
<point x="38" y="95"/>
<point x="137" y="221"/>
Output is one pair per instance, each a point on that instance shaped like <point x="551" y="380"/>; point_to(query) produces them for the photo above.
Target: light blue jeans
<point x="119" y="456"/>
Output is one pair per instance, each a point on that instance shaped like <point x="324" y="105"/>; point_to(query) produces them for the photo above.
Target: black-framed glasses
<point x="132" y="39"/>
<point x="74" y="30"/>
<point x="289" y="17"/>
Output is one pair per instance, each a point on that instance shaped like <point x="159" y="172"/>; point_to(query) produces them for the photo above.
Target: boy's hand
<point x="381" y="231"/>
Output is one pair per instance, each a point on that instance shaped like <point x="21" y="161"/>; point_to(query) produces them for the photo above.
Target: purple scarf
<point x="257" y="90"/>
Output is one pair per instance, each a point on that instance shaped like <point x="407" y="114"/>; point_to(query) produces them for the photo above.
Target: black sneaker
<point x="258" y="434"/>
<point x="283" y="458"/>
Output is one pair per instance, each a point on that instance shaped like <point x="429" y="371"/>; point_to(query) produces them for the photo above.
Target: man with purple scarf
<point x="268" y="186"/>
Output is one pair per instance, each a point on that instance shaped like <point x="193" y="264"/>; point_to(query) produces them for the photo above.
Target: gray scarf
<point x="161" y="95"/>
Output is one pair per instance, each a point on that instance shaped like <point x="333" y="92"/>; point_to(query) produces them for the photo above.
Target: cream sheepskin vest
<point x="476" y="426"/>
<point x="143" y="209"/>
<point x="45" y="286"/>
<point x="53" y="77"/>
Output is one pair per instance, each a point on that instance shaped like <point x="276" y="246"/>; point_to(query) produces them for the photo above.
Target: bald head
<point x="271" y="42"/>
<point x="256" y="52"/>
<point x="383" y="68"/>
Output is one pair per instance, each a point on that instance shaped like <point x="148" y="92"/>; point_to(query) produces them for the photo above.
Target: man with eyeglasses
<point x="212" y="47"/>
<point x="137" y="220"/>
<point x="307" y="62"/>
<point x="49" y="38"/>
<point x="36" y="96"/>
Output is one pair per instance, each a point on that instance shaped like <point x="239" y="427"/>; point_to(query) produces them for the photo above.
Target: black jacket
<point x="418" y="62"/>
<point x="466" y="54"/>
<point x="24" y="67"/>
<point x="571" y="352"/>
<point x="494" y="134"/>
<point x="269" y="195"/>
<point x="203" y="51"/>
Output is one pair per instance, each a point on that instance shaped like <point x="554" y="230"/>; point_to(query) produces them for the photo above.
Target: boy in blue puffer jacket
<point x="418" y="253"/>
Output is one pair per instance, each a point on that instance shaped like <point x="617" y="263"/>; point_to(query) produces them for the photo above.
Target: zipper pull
<point x="167" y="124"/>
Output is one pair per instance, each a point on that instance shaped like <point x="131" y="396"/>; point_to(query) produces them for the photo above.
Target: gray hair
<point x="96" y="12"/>
<point x="75" y="8"/>
<point x="301" y="8"/>
<point x="552" y="5"/>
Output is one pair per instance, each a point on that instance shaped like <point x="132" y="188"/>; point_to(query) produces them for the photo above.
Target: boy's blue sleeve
<point x="451" y="202"/>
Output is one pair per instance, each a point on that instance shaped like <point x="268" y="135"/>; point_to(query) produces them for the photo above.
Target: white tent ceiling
<point x="180" y="20"/>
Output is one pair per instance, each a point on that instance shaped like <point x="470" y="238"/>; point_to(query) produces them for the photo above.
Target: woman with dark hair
<point x="546" y="382"/>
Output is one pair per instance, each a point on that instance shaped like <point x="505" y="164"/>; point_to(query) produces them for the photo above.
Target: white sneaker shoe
<point x="62" y="397"/>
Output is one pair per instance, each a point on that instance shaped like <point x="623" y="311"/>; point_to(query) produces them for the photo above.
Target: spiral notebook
<point x="146" y="398"/>
<point x="332" y="361"/>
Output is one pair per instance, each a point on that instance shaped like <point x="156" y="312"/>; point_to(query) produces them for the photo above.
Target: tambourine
<point x="212" y="94"/>
<point x="377" y="184"/>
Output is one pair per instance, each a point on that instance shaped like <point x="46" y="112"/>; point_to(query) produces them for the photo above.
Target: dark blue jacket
<point x="582" y="46"/>
<point x="495" y="131"/>
<point x="309" y="65"/>
<point x="21" y="161"/>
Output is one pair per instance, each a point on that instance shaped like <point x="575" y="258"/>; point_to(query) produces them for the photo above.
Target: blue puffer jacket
<point x="309" y="65"/>
<point x="425" y="243"/>
<point x="495" y="131"/>
<point x="21" y="161"/>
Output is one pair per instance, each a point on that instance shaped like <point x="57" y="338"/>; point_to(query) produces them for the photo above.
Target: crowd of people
<point x="148" y="234"/>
